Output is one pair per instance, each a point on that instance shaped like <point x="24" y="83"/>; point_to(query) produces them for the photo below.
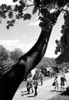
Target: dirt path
<point x="45" y="91"/>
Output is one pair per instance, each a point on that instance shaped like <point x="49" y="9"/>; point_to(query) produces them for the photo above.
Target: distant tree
<point x="5" y="65"/>
<point x="8" y="58"/>
<point x="63" y="65"/>
<point x="4" y="54"/>
<point x="47" y="62"/>
<point x="5" y="60"/>
<point x="16" y="54"/>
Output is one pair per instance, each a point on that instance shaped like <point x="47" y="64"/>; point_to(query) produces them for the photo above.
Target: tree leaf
<point x="34" y="10"/>
<point x="27" y="16"/>
<point x="7" y="27"/>
<point x="56" y="41"/>
<point x="10" y="14"/>
<point x="15" y="0"/>
<point x="55" y="51"/>
<point x="9" y="7"/>
<point x="22" y="3"/>
<point x="68" y="5"/>
<point x="2" y="14"/>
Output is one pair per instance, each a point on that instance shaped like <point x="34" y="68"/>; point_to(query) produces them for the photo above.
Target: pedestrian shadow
<point x="39" y="85"/>
<point x="66" y="93"/>
<point x="30" y="96"/>
<point x="52" y="90"/>
<point x="24" y="93"/>
<point x="55" y="91"/>
<point x="28" y="93"/>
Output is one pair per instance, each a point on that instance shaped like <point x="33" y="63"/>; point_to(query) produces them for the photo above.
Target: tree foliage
<point x="8" y="58"/>
<point x="47" y="62"/>
<point x="18" y="10"/>
<point x="63" y="43"/>
<point x="5" y="60"/>
<point x="14" y="55"/>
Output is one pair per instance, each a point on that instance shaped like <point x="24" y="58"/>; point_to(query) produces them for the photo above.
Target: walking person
<point x="28" y="85"/>
<point x="31" y="84"/>
<point x="35" y="87"/>
<point x="41" y="78"/>
<point x="63" y="83"/>
<point x="55" y="83"/>
<point x="36" y="75"/>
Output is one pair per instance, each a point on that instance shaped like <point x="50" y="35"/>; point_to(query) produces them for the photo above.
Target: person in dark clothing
<point x="28" y="85"/>
<point x="35" y="87"/>
<point x="63" y="82"/>
<point x="36" y="76"/>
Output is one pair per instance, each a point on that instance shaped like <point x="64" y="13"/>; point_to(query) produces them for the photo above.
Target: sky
<point x="24" y="34"/>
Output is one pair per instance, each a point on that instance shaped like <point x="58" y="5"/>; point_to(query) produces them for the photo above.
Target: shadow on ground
<point x="55" y="91"/>
<point x="65" y="92"/>
<point x="62" y="96"/>
<point x="30" y="96"/>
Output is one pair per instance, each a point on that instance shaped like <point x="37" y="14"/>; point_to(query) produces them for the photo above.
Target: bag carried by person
<point x="53" y="83"/>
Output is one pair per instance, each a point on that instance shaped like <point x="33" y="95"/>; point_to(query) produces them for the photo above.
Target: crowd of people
<point x="32" y="83"/>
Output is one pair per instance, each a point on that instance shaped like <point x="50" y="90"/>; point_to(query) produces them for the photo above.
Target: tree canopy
<point x="7" y="58"/>
<point x="17" y="11"/>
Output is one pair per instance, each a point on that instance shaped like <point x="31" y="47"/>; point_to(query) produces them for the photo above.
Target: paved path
<point x="45" y="91"/>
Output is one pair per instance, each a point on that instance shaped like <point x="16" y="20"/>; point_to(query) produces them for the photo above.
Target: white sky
<point x="7" y="2"/>
<point x="24" y="34"/>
